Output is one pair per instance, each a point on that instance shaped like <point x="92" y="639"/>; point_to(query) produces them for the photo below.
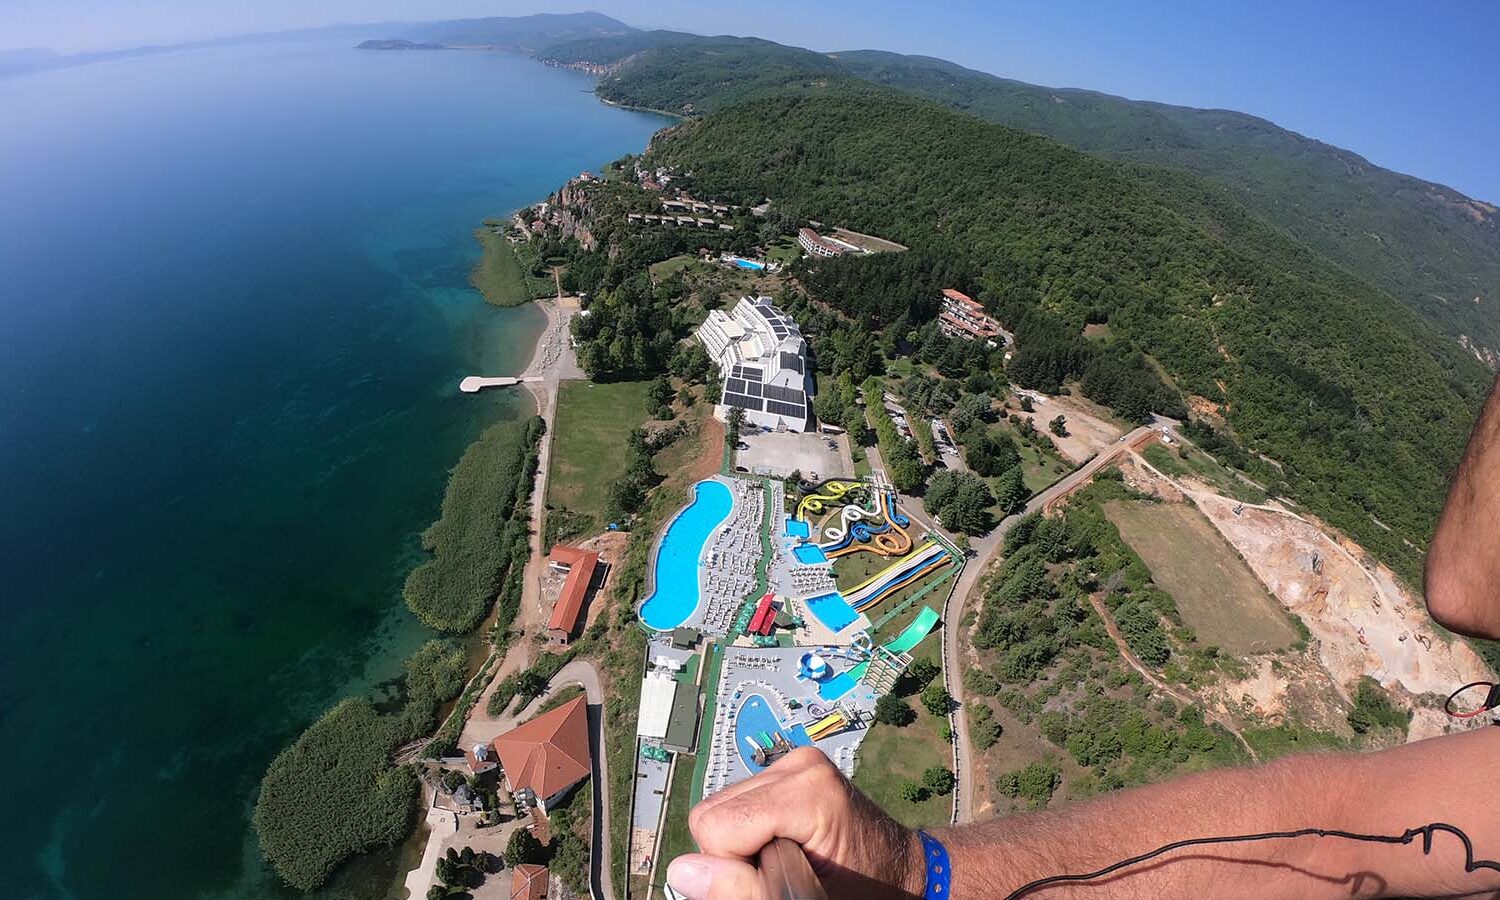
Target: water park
<point x="746" y="613"/>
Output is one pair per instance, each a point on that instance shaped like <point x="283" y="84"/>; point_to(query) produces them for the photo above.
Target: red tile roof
<point x="986" y="330"/>
<point x="581" y="565"/>
<point x="965" y="299"/>
<point x="479" y="766"/>
<point x="528" y="881"/>
<point x="549" y="753"/>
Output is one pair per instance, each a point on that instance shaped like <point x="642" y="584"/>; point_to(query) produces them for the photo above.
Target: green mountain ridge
<point x="1435" y="249"/>
<point x="1363" y="405"/>
<point x="520" y="34"/>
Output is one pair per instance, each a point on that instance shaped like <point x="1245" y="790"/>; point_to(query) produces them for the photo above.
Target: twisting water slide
<point x="882" y="532"/>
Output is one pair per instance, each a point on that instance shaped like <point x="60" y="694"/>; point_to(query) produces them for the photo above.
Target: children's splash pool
<point x="674" y="594"/>
<point x="755" y="720"/>
<point x="832" y="610"/>
<point x="809" y="554"/>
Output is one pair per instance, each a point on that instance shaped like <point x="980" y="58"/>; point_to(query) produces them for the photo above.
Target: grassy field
<point x="498" y="274"/>
<point x="890" y="756"/>
<point x="593" y="423"/>
<point x="1039" y="467"/>
<point x="1217" y="594"/>
<point x="676" y="839"/>
<point x="666" y="267"/>
<point x="853" y="568"/>
<point x="785" y="251"/>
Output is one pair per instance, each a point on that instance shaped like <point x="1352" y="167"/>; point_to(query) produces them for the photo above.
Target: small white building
<point x="762" y="358"/>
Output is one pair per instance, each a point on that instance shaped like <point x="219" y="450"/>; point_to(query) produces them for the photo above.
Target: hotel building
<point x="762" y="358"/>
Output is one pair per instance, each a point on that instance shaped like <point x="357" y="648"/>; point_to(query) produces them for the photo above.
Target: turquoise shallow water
<point x="674" y="594"/>
<point x="234" y="310"/>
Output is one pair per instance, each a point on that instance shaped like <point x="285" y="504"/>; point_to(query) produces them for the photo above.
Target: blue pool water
<point x="749" y="264"/>
<point x="798" y="528"/>
<point x="674" y="595"/>
<point x="837" y="686"/>
<point x="755" y="717"/>
<point x="832" y="610"/>
<point x="810" y="554"/>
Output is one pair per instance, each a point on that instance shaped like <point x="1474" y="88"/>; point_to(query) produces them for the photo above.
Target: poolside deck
<point x="772" y="673"/>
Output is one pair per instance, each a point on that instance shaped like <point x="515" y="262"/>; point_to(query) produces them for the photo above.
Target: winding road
<point x="582" y="672"/>
<point x="985" y="550"/>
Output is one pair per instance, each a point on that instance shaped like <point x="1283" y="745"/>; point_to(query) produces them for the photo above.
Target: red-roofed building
<point x="817" y="245"/>
<point x="963" y="317"/>
<point x="765" y="615"/>
<point x="545" y="757"/>
<point x="528" y="881"/>
<point x="481" y="758"/>
<point x="580" y="565"/>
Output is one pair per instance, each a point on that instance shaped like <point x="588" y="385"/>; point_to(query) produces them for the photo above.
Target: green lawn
<point x="785" y="251"/>
<point x="890" y="756"/>
<point x="588" y="450"/>
<point x="676" y="839"/>
<point x="851" y="569"/>
<point x="862" y="466"/>
<point x="666" y="267"/>
<point x="1038" y="467"/>
<point x="498" y="274"/>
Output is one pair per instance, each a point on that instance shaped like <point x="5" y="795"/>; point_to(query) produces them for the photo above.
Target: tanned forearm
<point x="1440" y="780"/>
<point x="1463" y="563"/>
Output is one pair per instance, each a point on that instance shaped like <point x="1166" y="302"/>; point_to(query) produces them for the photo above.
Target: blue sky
<point x="1411" y="86"/>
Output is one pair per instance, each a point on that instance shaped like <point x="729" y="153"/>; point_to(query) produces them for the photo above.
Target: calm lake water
<point x="233" y="314"/>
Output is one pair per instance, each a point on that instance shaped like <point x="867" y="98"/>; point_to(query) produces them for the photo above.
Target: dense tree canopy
<point x="1364" y="406"/>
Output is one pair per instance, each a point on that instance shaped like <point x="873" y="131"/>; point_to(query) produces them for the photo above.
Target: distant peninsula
<point x="398" y="44"/>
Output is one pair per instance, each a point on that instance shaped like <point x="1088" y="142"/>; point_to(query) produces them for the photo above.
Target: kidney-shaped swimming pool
<point x="675" y="593"/>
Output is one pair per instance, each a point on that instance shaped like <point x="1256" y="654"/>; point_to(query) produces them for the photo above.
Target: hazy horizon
<point x="1401" y="86"/>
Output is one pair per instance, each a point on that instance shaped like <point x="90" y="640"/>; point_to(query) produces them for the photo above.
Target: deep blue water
<point x="233" y="313"/>
<point x="674" y="593"/>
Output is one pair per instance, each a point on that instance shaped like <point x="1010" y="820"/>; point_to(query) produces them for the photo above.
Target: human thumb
<point x="698" y="876"/>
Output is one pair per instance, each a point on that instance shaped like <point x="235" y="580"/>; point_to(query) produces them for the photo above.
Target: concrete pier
<point x="476" y="383"/>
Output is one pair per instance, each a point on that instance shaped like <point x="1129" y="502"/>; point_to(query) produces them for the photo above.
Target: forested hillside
<point x="1362" y="406"/>
<point x="1431" y="247"/>
<point x="520" y="34"/>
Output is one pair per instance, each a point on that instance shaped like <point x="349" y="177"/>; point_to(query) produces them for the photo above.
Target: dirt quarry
<point x="1362" y="619"/>
<point x="1365" y="621"/>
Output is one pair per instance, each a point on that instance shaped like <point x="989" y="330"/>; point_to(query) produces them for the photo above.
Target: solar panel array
<point x="772" y="383"/>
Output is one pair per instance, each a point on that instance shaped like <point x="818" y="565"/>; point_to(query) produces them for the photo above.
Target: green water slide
<point x="913" y="634"/>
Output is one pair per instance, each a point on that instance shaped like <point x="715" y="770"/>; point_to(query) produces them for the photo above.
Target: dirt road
<point x="1146" y="673"/>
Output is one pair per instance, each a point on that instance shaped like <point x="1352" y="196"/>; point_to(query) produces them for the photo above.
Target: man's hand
<point x="857" y="850"/>
<point x="1463" y="561"/>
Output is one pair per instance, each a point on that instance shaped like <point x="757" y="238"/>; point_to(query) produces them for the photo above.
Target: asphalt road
<point x="582" y="672"/>
<point x="985" y="550"/>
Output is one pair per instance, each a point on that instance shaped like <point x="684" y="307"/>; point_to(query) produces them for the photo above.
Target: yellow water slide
<point x="830" y="492"/>
<point x="827" y="726"/>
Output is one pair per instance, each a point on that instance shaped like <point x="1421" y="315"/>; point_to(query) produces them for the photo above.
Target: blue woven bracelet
<point x="935" y="864"/>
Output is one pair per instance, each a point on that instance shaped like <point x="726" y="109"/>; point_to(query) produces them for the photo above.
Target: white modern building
<point x="817" y="245"/>
<point x="762" y="358"/>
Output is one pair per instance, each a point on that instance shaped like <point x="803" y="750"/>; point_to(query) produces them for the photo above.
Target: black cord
<point x="1426" y="831"/>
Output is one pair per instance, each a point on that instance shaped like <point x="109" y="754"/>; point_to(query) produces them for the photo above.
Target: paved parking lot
<point x="780" y="453"/>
